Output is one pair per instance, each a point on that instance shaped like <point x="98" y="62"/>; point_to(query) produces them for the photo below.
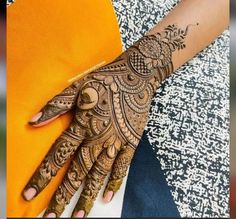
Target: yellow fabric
<point x="48" y="43"/>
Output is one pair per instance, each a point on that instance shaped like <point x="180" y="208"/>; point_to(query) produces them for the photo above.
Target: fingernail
<point x="108" y="196"/>
<point x="30" y="193"/>
<point x="51" y="215"/>
<point x="36" y="117"/>
<point x="79" y="214"/>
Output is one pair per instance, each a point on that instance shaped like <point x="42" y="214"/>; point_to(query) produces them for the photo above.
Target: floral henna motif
<point x="61" y="151"/>
<point x="130" y="83"/>
<point x="112" y="105"/>
<point x="132" y="79"/>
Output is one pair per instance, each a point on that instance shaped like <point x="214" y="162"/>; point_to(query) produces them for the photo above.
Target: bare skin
<point x="111" y="106"/>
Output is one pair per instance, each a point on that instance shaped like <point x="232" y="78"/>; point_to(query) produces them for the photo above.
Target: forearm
<point x="190" y="27"/>
<point x="212" y="17"/>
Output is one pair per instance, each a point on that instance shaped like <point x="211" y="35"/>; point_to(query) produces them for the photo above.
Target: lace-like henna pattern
<point x="112" y="105"/>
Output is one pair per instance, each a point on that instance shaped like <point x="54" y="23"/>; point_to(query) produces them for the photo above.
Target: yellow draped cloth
<point x="49" y="43"/>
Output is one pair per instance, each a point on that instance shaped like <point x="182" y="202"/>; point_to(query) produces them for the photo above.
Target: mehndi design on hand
<point x="112" y="105"/>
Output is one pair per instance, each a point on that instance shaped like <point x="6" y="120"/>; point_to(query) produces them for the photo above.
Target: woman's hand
<point x="111" y="109"/>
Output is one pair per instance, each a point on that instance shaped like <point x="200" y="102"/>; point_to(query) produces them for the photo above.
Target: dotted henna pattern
<point x="111" y="108"/>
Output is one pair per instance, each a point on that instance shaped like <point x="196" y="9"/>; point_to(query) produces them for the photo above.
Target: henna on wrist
<point x="112" y="105"/>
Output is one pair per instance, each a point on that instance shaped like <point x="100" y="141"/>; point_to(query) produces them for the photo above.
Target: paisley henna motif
<point x="112" y="105"/>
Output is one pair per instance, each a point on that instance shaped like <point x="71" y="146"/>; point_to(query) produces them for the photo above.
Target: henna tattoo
<point x="132" y="79"/>
<point x="122" y="163"/>
<point x="119" y="169"/>
<point x="59" y="104"/>
<point x="63" y="148"/>
<point x="68" y="187"/>
<point x="129" y="84"/>
<point x="95" y="179"/>
<point x="80" y="168"/>
<point x="112" y="105"/>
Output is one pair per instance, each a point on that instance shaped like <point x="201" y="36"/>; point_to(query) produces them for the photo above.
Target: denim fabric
<point x="147" y="193"/>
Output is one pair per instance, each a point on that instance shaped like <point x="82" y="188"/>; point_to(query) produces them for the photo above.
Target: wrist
<point x="150" y="57"/>
<point x="152" y="54"/>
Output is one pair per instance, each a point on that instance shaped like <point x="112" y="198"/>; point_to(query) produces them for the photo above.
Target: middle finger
<point x="95" y="179"/>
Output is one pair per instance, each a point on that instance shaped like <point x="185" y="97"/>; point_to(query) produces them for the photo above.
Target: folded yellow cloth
<point x="48" y="44"/>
